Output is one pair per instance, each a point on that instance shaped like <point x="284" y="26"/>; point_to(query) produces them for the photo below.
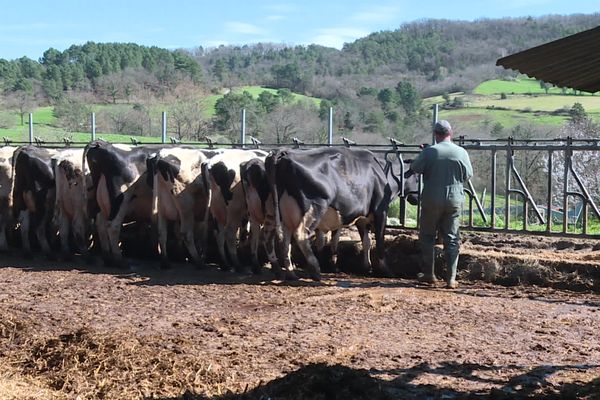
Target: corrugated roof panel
<point x="573" y="61"/>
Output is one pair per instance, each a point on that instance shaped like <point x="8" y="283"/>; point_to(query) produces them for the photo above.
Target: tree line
<point x="375" y="83"/>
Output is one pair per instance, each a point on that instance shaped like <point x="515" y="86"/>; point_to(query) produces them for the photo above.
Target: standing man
<point x="445" y="167"/>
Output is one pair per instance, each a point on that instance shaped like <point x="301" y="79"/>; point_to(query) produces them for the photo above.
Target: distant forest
<point x="376" y="82"/>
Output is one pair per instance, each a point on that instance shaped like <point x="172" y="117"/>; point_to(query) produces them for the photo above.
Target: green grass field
<point x="210" y="101"/>
<point x="520" y="85"/>
<point x="525" y="103"/>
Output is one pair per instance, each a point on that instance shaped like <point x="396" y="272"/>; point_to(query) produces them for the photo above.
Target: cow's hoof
<point x="6" y="252"/>
<point x="256" y="269"/>
<point x="243" y="271"/>
<point x="315" y="277"/>
<point x="89" y="259"/>
<point x="107" y="261"/>
<point x="451" y="284"/>
<point x="290" y="276"/>
<point x="226" y="268"/>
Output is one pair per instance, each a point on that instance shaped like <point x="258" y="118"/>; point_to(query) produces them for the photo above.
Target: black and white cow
<point x="70" y="213"/>
<point x="6" y="187"/>
<point x="181" y="196"/>
<point x="227" y="203"/>
<point x="120" y="190"/>
<point x="328" y="188"/>
<point x="34" y="194"/>
<point x="261" y="210"/>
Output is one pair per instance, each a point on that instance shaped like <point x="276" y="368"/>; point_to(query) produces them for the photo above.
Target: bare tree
<point x="21" y="102"/>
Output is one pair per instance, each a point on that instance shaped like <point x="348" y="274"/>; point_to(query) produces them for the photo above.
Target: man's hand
<point x="424" y="145"/>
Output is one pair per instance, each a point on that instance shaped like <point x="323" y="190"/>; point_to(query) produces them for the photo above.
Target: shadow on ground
<point x="325" y="382"/>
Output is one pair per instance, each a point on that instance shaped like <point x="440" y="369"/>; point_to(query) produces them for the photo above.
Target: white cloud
<point x="274" y="17"/>
<point x="377" y="14"/>
<point x="244" y="28"/>
<point x="336" y="37"/>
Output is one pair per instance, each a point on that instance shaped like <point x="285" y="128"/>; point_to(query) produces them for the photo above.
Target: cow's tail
<point x="270" y="168"/>
<point x="152" y="182"/>
<point x="58" y="182"/>
<point x="18" y="204"/>
<point x="205" y="172"/>
<point x="89" y="192"/>
<point x="12" y="181"/>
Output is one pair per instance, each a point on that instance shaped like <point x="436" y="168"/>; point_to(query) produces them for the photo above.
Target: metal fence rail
<point x="479" y="217"/>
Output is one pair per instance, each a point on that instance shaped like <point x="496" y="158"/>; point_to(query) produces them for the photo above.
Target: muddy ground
<point x="523" y="323"/>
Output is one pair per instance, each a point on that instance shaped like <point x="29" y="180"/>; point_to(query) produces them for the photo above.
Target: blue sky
<point x="30" y="27"/>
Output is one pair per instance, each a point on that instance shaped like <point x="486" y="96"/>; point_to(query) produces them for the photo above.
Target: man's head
<point x="442" y="130"/>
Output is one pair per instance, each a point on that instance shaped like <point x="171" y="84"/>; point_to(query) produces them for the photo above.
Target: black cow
<point x="327" y="188"/>
<point x="120" y="192"/>
<point x="34" y="194"/>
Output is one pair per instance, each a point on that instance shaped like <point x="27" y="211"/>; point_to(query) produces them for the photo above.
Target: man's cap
<point x="442" y="127"/>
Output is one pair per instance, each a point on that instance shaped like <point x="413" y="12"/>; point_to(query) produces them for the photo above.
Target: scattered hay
<point x="484" y="270"/>
<point x="92" y="365"/>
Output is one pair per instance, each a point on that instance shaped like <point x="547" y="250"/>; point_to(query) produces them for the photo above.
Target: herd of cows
<point x="86" y="196"/>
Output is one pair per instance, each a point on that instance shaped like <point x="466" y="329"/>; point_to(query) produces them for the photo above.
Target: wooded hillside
<point x="375" y="84"/>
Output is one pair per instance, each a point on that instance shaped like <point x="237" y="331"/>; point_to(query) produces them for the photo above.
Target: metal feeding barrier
<point x="537" y="215"/>
<point x="556" y="199"/>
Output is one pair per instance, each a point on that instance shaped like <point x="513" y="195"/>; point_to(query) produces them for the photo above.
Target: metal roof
<point x="573" y="61"/>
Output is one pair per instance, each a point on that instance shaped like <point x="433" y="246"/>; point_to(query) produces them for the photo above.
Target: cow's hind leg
<point x="221" y="246"/>
<point x="302" y="235"/>
<point x="231" y="231"/>
<point x="64" y="230"/>
<point x="103" y="238"/>
<point x="286" y="255"/>
<point x="3" y="228"/>
<point x="188" y="234"/>
<point x="255" y="233"/>
<point x="163" y="229"/>
<point x="24" y="223"/>
<point x="363" y="231"/>
<point x="333" y="246"/>
<point x="380" y="220"/>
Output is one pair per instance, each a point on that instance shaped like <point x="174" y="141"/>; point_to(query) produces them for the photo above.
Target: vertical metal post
<point x="435" y="120"/>
<point x="243" y="128"/>
<point x="93" y="124"/>
<point x="566" y="186"/>
<point x="507" y="190"/>
<point x="549" y="200"/>
<point x="30" y="128"/>
<point x="493" y="193"/>
<point x="164" y="127"/>
<point x="330" y="127"/>
<point x="585" y="216"/>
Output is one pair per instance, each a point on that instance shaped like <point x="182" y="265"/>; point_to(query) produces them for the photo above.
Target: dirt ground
<point x="523" y="323"/>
